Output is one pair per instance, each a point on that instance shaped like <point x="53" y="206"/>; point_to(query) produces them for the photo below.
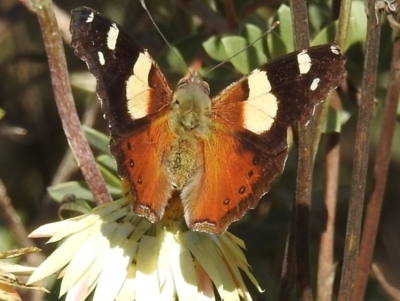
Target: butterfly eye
<point x="182" y="83"/>
<point x="206" y="87"/>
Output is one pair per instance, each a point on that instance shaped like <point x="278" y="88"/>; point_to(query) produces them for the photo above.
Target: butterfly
<point x="218" y="156"/>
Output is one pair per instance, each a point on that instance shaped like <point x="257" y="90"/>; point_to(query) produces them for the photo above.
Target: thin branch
<point x="288" y="272"/>
<point x="344" y="21"/>
<point x="321" y="111"/>
<point x="65" y="103"/>
<point x="380" y="174"/>
<point x="390" y="289"/>
<point x="360" y="162"/>
<point x="62" y="17"/>
<point x="326" y="266"/>
<point x="20" y="233"/>
<point x="16" y="226"/>
<point x="230" y="15"/>
<point x="298" y="242"/>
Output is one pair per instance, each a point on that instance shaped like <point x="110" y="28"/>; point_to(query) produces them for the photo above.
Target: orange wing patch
<point x="235" y="175"/>
<point x="139" y="158"/>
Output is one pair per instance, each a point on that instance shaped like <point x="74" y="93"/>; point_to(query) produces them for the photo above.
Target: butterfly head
<point x="191" y="105"/>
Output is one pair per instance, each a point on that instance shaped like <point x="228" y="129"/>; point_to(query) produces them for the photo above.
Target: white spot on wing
<point x="304" y="61"/>
<point x="137" y="87"/>
<point x="90" y="18"/>
<point x="101" y="58"/>
<point x="314" y="84"/>
<point x="262" y="106"/>
<point x="334" y="49"/>
<point x="112" y="36"/>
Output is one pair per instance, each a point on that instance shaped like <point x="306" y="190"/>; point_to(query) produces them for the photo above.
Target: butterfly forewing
<point x="135" y="98"/>
<point x="129" y="82"/>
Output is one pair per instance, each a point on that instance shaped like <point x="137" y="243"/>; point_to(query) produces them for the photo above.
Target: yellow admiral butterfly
<point x="217" y="156"/>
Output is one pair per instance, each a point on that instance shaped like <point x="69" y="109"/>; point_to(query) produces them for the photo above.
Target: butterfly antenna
<point x="177" y="54"/>
<point x="271" y="28"/>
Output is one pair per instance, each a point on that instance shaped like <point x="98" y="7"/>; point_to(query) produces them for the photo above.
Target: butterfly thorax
<point x="189" y="119"/>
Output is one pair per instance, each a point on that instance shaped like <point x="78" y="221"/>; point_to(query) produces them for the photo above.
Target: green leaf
<point x="215" y="48"/>
<point x="243" y="60"/>
<point x="78" y="189"/>
<point x="280" y="40"/>
<point x="73" y="208"/>
<point x="2" y="113"/>
<point x="335" y="119"/>
<point x="108" y="162"/>
<point x="357" y="28"/>
<point x="173" y="60"/>
<point x="325" y="36"/>
<point x="358" y="25"/>
<point x="251" y="33"/>
<point x="97" y="140"/>
<point x="332" y="123"/>
<point x="110" y="178"/>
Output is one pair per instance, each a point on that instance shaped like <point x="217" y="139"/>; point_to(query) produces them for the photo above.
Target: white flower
<point x="124" y="257"/>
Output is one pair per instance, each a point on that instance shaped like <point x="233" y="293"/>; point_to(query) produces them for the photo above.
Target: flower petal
<point x="79" y="225"/>
<point x="168" y="289"/>
<point x="79" y="291"/>
<point x="127" y="292"/>
<point x="115" y="267"/>
<point x="52" y="229"/>
<point x="205" y="287"/>
<point x="184" y="273"/>
<point x="203" y="248"/>
<point x="60" y="257"/>
<point x="164" y="256"/>
<point x="81" y="261"/>
<point x="147" y="285"/>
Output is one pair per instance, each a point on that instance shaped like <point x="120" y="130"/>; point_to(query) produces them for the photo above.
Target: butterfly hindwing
<point x="139" y="157"/>
<point x="237" y="172"/>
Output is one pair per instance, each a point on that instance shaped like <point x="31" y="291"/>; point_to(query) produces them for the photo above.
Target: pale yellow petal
<point x="147" y="285"/>
<point x="230" y="244"/>
<point x="51" y="229"/>
<point x="108" y="208"/>
<point x="204" y="287"/>
<point x="142" y="226"/>
<point x="168" y="289"/>
<point x="184" y="273"/>
<point x="115" y="267"/>
<point x="87" y="222"/>
<point x="115" y="215"/>
<point x="127" y="292"/>
<point x="204" y="249"/>
<point x="16" y="269"/>
<point x="93" y="273"/>
<point x="79" y="291"/>
<point x="164" y="256"/>
<point x="235" y="239"/>
<point x="81" y="261"/>
<point x="60" y="257"/>
<point x="234" y="270"/>
<point x="235" y="255"/>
